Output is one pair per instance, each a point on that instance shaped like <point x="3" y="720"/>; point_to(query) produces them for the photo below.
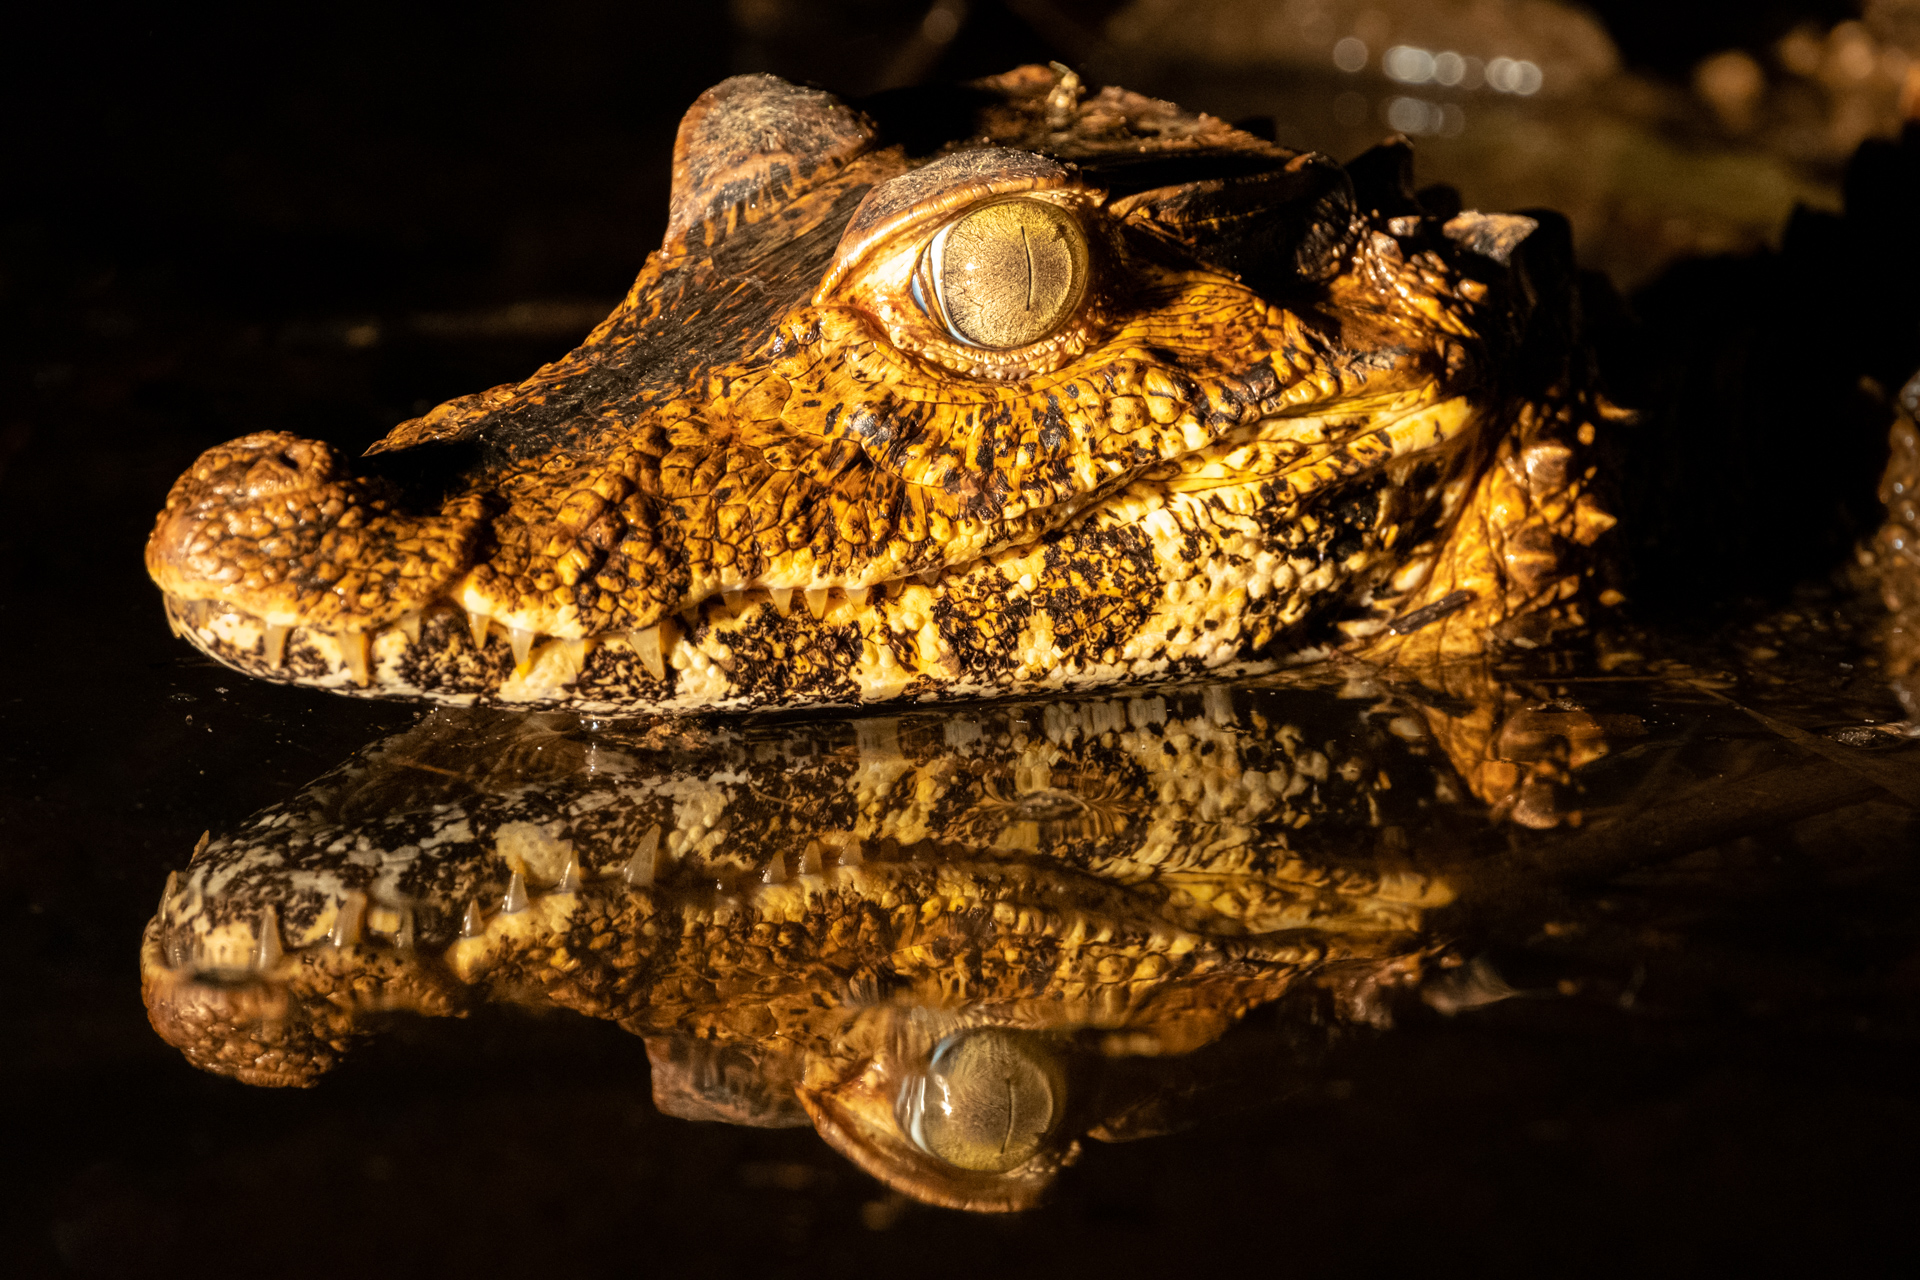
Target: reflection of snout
<point x="229" y="1022"/>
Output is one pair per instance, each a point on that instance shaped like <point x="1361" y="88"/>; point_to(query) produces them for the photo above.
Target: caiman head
<point x="1087" y="390"/>
<point x="955" y="944"/>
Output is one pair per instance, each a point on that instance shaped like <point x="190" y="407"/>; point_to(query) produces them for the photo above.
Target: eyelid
<point x="940" y="192"/>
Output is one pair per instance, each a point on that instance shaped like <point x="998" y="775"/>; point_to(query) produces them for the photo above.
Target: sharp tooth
<point x="928" y="577"/>
<point x="173" y="625"/>
<point x="200" y="847"/>
<point x="473" y="924"/>
<point x="650" y="648"/>
<point x="643" y="864"/>
<point x="273" y="646"/>
<point x="410" y="626"/>
<point x="776" y="872"/>
<point x="267" y="952"/>
<point x="733" y="598"/>
<point x="817" y="601"/>
<point x="570" y="878"/>
<point x="403" y="936"/>
<point x="353" y="645"/>
<point x="782" y="598"/>
<point x="810" y="859"/>
<point x="348" y="918"/>
<point x="892" y="588"/>
<point x="173" y="886"/>
<point x="522" y="642"/>
<point x="477" y="624"/>
<point x="857" y="596"/>
<point x="515" y="899"/>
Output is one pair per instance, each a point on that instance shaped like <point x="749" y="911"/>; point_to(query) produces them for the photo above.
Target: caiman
<point x="1079" y="390"/>
<point x="1083" y="391"/>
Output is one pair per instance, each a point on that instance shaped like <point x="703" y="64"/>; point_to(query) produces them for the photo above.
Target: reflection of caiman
<point x="1011" y="391"/>
<point x="923" y="933"/>
<point x="957" y="942"/>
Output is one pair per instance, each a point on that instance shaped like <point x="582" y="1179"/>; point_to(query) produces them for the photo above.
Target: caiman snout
<point x="278" y="527"/>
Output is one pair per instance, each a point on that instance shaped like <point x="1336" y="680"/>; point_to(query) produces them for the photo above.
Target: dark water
<point x="1706" y="1061"/>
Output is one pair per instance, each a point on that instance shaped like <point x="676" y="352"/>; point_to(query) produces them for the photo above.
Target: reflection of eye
<point x="987" y="1101"/>
<point x="1005" y="275"/>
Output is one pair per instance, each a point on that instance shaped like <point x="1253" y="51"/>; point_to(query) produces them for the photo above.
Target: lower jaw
<point x="683" y="665"/>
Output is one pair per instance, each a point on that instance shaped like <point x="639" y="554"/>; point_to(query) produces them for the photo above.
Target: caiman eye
<point x="987" y="1101"/>
<point x="1004" y="275"/>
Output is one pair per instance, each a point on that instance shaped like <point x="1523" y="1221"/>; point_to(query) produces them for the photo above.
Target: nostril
<point x="268" y="464"/>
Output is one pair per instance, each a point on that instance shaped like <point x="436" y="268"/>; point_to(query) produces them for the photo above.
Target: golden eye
<point x="1005" y="275"/>
<point x="987" y="1101"/>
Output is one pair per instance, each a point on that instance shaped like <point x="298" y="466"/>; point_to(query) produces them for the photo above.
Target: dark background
<point x="214" y="223"/>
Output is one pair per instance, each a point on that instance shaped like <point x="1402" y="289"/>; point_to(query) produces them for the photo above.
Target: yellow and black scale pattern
<point x="1202" y="829"/>
<point x="1142" y="870"/>
<point x="766" y="481"/>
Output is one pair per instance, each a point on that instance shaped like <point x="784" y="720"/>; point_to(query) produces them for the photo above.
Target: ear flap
<point x="1275" y="230"/>
<point x="749" y="135"/>
<point x="701" y="1080"/>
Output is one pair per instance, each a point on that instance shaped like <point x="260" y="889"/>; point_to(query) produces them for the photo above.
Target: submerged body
<point x="1098" y="392"/>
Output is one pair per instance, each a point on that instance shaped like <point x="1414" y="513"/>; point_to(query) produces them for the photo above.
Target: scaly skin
<point x="808" y="910"/>
<point x="1292" y="412"/>
<point x="1895" y="553"/>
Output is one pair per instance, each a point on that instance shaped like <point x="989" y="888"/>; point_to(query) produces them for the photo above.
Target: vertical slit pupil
<point x="1027" y="244"/>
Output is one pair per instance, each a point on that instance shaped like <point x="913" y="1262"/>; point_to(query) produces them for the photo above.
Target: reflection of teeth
<point x="348" y="918"/>
<point x="522" y="641"/>
<point x="267" y="951"/>
<point x="642" y="866"/>
<point x="353" y="647"/>
<point x="273" y="645"/>
<point x="782" y="598"/>
<point x="817" y="602"/>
